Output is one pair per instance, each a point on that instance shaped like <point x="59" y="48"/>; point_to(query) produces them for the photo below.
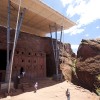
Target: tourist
<point x="18" y="81"/>
<point x="68" y="94"/>
<point x="23" y="73"/>
<point x="18" y="77"/>
<point x="35" y="86"/>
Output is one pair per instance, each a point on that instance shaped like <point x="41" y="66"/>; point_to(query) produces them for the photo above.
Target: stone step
<point x="23" y="80"/>
<point x="25" y="86"/>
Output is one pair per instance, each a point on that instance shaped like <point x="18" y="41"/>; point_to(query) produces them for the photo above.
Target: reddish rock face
<point x="88" y="64"/>
<point x="88" y="49"/>
<point x="66" y="61"/>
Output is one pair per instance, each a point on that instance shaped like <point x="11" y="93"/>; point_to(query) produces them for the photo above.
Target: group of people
<point x="22" y="73"/>
<point x="67" y="92"/>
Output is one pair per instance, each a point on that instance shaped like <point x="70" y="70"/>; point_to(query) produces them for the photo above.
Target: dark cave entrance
<point x="3" y="63"/>
<point x="50" y="66"/>
<point x="3" y="59"/>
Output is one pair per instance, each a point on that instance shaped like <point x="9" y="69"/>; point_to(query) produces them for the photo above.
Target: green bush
<point x="98" y="91"/>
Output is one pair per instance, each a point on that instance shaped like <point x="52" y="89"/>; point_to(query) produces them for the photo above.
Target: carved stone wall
<point x="30" y="54"/>
<point x="33" y="63"/>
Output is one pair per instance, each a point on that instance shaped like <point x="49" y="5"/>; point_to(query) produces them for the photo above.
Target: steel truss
<point x="17" y="31"/>
<point x="56" y="47"/>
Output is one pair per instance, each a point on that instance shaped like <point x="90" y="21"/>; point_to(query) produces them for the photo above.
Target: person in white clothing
<point x="36" y="86"/>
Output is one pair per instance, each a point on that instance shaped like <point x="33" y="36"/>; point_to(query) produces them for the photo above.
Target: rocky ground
<point x="55" y="91"/>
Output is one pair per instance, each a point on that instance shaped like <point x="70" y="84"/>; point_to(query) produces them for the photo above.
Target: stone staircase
<point x="24" y="84"/>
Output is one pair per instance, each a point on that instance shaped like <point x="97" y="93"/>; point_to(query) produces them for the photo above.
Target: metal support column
<point x="8" y="39"/>
<point x="52" y="42"/>
<point x="56" y="47"/>
<point x="20" y="23"/>
<point x="61" y="78"/>
<point x="61" y="34"/>
<point x="18" y="26"/>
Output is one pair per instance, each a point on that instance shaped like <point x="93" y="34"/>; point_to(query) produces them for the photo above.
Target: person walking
<point x="68" y="94"/>
<point x="36" y="87"/>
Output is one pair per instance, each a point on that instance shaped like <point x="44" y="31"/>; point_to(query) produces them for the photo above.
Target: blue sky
<point x="85" y="13"/>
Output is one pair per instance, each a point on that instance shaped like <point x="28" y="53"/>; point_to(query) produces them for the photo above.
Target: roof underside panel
<point x="37" y="17"/>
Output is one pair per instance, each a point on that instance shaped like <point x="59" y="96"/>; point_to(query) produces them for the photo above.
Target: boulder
<point x="88" y="64"/>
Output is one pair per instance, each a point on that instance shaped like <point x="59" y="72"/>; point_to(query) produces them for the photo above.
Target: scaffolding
<point x="56" y="47"/>
<point x="17" y="31"/>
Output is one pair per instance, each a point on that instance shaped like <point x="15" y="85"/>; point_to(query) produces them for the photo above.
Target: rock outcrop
<point x="66" y="61"/>
<point x="88" y="64"/>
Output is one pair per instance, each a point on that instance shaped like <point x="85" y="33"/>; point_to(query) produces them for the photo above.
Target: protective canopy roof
<point x="38" y="16"/>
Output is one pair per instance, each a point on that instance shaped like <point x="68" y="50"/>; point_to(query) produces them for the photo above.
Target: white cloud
<point x="91" y="12"/>
<point x="87" y="10"/>
<point x="87" y="35"/>
<point x="64" y="2"/>
<point x="98" y="37"/>
<point x="98" y="27"/>
<point x="74" y="30"/>
<point x="74" y="46"/>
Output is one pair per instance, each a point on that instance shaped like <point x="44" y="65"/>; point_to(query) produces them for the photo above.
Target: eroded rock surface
<point x="88" y="64"/>
<point x="66" y="61"/>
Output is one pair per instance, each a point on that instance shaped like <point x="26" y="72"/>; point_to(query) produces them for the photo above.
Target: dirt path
<point x="56" y="92"/>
